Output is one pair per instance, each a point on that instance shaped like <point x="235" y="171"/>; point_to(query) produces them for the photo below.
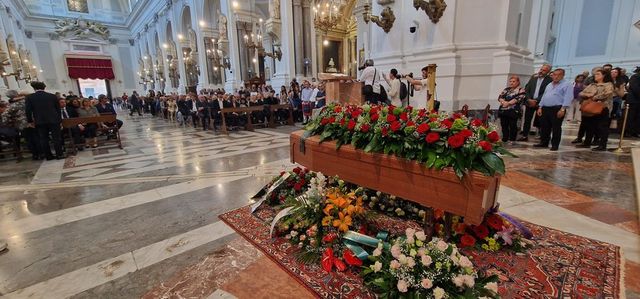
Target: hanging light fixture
<point x="327" y="14"/>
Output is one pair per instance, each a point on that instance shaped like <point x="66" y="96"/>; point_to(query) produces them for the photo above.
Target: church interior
<point x="319" y="149"/>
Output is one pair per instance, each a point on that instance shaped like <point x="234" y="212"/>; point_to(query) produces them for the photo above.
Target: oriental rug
<point x="560" y="265"/>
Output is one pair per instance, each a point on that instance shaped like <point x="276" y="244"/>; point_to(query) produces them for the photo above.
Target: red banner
<point x="88" y="68"/>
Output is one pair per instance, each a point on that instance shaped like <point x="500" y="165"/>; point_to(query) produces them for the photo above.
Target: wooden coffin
<point x="472" y="197"/>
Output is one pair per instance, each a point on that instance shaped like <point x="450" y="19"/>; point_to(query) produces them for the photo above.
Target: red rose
<point x="302" y="182"/>
<point x="467" y="241"/>
<point x="342" y="122"/>
<point x="356" y="113"/>
<point x="297" y="187"/>
<point x="374" y="117"/>
<point x="432" y="137"/>
<point x="385" y="132"/>
<point x="337" y="109"/>
<point x="456" y="141"/>
<point x="466" y="133"/>
<point x="409" y="108"/>
<point x="329" y="238"/>
<point x="365" y="128"/>
<point x="351" y="259"/>
<point x="352" y="124"/>
<point x="486" y="146"/>
<point x="410" y="124"/>
<point x="460" y="228"/>
<point x="297" y="170"/>
<point x="327" y="259"/>
<point x="493" y="136"/>
<point x="332" y="120"/>
<point x="457" y="116"/>
<point x="494" y="221"/>
<point x="423" y="128"/>
<point x="340" y="266"/>
<point x="481" y="231"/>
<point x="422" y="112"/>
<point x="447" y="123"/>
<point x="391" y="118"/>
<point x="476" y="123"/>
<point x="433" y="119"/>
<point x="391" y="108"/>
<point x="324" y="121"/>
<point x="404" y="116"/>
<point x="395" y="126"/>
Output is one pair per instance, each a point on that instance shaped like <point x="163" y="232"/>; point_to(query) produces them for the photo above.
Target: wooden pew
<point x="275" y="108"/>
<point x="246" y="111"/>
<point x="69" y="123"/>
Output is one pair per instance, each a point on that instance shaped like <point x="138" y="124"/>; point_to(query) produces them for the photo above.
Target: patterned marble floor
<point x="142" y="221"/>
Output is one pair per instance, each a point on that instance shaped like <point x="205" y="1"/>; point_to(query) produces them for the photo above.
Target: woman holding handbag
<point x="596" y="106"/>
<point x="510" y="100"/>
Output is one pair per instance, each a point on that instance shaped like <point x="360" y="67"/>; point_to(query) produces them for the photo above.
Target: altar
<point x="342" y="89"/>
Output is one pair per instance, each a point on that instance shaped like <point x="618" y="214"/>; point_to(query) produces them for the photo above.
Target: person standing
<point x="135" y="103"/>
<point x="535" y="89"/>
<point x="601" y="90"/>
<point x="553" y="106"/>
<point x="305" y="96"/>
<point x="371" y="79"/>
<point x="16" y="116"/>
<point x="43" y="112"/>
<point x="394" y="87"/>
<point x="510" y="100"/>
<point x="578" y="86"/>
<point x="633" y="99"/>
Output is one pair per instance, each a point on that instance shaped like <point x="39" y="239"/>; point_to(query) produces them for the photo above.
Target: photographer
<point x="418" y="83"/>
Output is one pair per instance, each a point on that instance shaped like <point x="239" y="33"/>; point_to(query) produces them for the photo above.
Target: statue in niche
<point x="191" y="68"/>
<point x="332" y="66"/>
<point x="274" y="9"/>
<point x="222" y="26"/>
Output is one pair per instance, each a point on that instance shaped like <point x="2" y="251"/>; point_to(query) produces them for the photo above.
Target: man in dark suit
<point x="204" y="114"/>
<point x="534" y="89"/>
<point x="43" y="111"/>
<point x="104" y="107"/>
<point x="136" y="104"/>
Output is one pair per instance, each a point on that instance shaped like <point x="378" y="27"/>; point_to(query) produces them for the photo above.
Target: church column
<point x="308" y="24"/>
<point x="202" y="29"/>
<point x="285" y="68"/>
<point x="230" y="45"/>
<point x="298" y="38"/>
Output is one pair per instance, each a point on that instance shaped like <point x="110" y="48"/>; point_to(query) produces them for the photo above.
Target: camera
<point x="412" y="29"/>
<point x="410" y="75"/>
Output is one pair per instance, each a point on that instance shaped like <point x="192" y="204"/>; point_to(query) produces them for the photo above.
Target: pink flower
<point x="442" y="245"/>
<point x="426" y="260"/>
<point x="458" y="281"/>
<point x="465" y="262"/>
<point x="469" y="281"/>
<point x="402" y="286"/>
<point x="395" y="251"/>
<point x="421" y="236"/>
<point x="411" y="262"/>
<point x="394" y="264"/>
<point x="426" y="283"/>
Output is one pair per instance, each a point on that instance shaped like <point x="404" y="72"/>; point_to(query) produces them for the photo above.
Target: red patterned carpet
<point x="560" y="265"/>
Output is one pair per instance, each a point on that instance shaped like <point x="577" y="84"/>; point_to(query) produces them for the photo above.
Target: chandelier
<point x="327" y="14"/>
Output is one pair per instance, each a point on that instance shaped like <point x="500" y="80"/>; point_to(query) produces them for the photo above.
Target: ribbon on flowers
<point x="354" y="240"/>
<point x="273" y="187"/>
<point x="519" y="226"/>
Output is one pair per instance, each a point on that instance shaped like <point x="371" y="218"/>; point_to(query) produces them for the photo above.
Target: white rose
<point x="410" y="232"/>
<point x="458" y="281"/>
<point x="402" y="286"/>
<point x="294" y="233"/>
<point x="469" y="280"/>
<point x="426" y="260"/>
<point x="377" y="266"/>
<point x="493" y="286"/>
<point x="377" y="252"/>
<point x="465" y="262"/>
<point x="442" y="245"/>
<point x="421" y="236"/>
<point x="411" y="262"/>
<point x="438" y="293"/>
<point x="455" y="260"/>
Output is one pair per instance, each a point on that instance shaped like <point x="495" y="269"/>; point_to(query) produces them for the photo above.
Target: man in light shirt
<point x="556" y="99"/>
<point x="394" y="88"/>
<point x="370" y="76"/>
<point x="306" y="95"/>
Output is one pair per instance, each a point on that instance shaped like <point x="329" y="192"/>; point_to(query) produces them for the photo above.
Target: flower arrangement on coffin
<point x="496" y="232"/>
<point x="295" y="184"/>
<point x="416" y="268"/>
<point x="437" y="140"/>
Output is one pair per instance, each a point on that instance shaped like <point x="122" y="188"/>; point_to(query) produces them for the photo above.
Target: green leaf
<point x="372" y="145"/>
<point x="338" y="144"/>
<point x="493" y="162"/>
<point x="504" y="151"/>
<point x="325" y="135"/>
<point x="431" y="159"/>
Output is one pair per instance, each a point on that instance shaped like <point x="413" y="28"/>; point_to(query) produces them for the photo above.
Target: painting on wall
<point x="361" y="57"/>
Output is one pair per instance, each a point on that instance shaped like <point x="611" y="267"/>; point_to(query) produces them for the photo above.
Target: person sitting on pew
<point x="104" y="108"/>
<point x="88" y="110"/>
<point x="77" y="131"/>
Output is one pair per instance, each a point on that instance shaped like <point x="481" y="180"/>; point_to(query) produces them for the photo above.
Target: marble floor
<point x="142" y="222"/>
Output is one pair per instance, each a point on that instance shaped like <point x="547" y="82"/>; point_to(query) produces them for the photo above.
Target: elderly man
<point x="553" y="106"/>
<point x="535" y="89"/>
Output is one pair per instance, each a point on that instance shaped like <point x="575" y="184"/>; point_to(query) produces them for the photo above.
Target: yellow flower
<point x="343" y="223"/>
<point x="328" y="208"/>
<point x="326" y="220"/>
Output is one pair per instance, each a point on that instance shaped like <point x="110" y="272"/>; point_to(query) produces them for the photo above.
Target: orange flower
<point x="343" y="223"/>
<point x="328" y="208"/>
<point x="326" y="220"/>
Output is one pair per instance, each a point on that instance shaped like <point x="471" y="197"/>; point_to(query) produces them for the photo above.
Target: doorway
<point x="92" y="87"/>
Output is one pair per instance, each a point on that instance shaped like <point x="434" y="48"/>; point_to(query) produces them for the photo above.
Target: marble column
<point x="285" y="68"/>
<point x="298" y="26"/>
<point x="307" y="24"/>
<point x="230" y="45"/>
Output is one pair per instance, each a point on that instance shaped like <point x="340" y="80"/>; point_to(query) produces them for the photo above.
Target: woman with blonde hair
<point x="88" y="110"/>
<point x="510" y="100"/>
